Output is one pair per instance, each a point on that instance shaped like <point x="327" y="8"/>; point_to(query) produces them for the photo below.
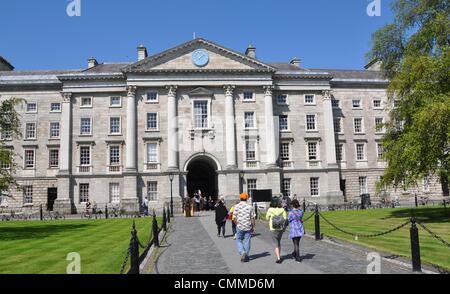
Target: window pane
<point x="54" y="158"/>
<point x="55" y="107"/>
<point x="114" y="192"/>
<point x="85" y="155"/>
<point x="310" y="122"/>
<point x="250" y="150"/>
<point x="152" y="121"/>
<point x="314" y="186"/>
<point x="114" y="155"/>
<point x="28" y="194"/>
<point x="312" y="150"/>
<point x="201" y="114"/>
<point x="249" y="120"/>
<point x="284" y="124"/>
<point x="152" y="191"/>
<point x="54" y="130"/>
<point x="152" y="153"/>
<point x="85" y="128"/>
<point x="115" y="125"/>
<point x="84" y="193"/>
<point x="29" y="158"/>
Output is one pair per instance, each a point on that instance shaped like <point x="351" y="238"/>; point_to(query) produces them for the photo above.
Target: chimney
<point x="251" y="51"/>
<point x="296" y="61"/>
<point x="92" y="62"/>
<point x="142" y="52"/>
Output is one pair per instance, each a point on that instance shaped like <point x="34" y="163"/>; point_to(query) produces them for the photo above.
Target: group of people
<point x="197" y="203"/>
<point x="282" y="214"/>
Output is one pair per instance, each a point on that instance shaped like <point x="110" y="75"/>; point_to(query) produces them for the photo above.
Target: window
<point x="335" y="103"/>
<point x="314" y="186"/>
<point x="115" y="101"/>
<point x="6" y="165"/>
<point x="54" y="130"/>
<point x="86" y="101"/>
<point x="358" y="124"/>
<point x="311" y="122"/>
<point x="282" y="99"/>
<point x="3" y="199"/>
<point x="55" y="107"/>
<point x="285" y="151"/>
<point x="249" y="96"/>
<point x="360" y="152"/>
<point x="152" y="121"/>
<point x="339" y="152"/>
<point x="201" y="114"/>
<point x="28" y="195"/>
<point x="250" y="151"/>
<point x="53" y="157"/>
<point x="84" y="193"/>
<point x="152" y="191"/>
<point x="6" y="133"/>
<point x="379" y="124"/>
<point x="380" y="151"/>
<point x="362" y="185"/>
<point x="426" y="184"/>
<point x="249" y="119"/>
<point x="85" y="126"/>
<point x="114" y="192"/>
<point x="312" y="151"/>
<point x="286" y="187"/>
<point x="310" y="99"/>
<point x="152" y="153"/>
<point x="338" y="125"/>
<point x="114" y="126"/>
<point x="31" y="107"/>
<point x="85" y="155"/>
<point x="251" y="186"/>
<point x="377" y="104"/>
<point x="152" y="96"/>
<point x="30" y="131"/>
<point x="114" y="155"/>
<point x="356" y="103"/>
<point x="284" y="123"/>
<point x="29" y="158"/>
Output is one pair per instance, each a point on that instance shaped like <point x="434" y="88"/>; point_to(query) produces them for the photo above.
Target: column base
<point x="63" y="206"/>
<point x="130" y="205"/>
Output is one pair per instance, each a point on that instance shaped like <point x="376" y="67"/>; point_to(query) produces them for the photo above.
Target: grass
<point x="397" y="243"/>
<point x="35" y="247"/>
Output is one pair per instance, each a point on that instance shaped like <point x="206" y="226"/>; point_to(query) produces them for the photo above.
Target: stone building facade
<point x="196" y="117"/>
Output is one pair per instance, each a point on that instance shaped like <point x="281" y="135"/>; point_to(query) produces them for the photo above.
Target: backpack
<point x="278" y="222"/>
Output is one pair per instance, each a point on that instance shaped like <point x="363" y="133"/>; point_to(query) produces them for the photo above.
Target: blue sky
<point x="323" y="33"/>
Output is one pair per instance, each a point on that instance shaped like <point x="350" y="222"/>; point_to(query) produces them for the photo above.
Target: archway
<point x="202" y="175"/>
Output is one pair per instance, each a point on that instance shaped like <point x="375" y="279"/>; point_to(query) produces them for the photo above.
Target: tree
<point x="9" y="127"/>
<point x="415" y="55"/>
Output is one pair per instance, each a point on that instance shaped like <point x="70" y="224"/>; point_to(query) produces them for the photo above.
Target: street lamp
<point x="241" y="181"/>
<point x="171" y="176"/>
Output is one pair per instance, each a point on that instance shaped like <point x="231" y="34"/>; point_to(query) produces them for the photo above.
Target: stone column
<point x="172" y="128"/>
<point x="130" y="201"/>
<point x="131" y="130"/>
<point x="271" y="157"/>
<point x="63" y="203"/>
<point x="230" y="130"/>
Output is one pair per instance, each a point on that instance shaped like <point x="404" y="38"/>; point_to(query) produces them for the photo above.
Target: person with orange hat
<point x="244" y="217"/>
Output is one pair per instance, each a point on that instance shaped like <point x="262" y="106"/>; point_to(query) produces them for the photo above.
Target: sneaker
<point x="244" y="257"/>
<point x="279" y="261"/>
<point x="298" y="259"/>
<point x="294" y="255"/>
<point x="247" y="259"/>
<point x="234" y="237"/>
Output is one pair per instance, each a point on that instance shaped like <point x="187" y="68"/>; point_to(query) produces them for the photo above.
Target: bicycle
<point x="53" y="216"/>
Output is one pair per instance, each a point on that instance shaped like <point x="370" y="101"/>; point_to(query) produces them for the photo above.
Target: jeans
<point x="233" y="227"/>
<point x="243" y="240"/>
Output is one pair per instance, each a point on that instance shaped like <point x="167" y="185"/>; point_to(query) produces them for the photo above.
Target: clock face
<point x="200" y="57"/>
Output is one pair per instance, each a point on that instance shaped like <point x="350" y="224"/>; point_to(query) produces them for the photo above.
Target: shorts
<point x="276" y="238"/>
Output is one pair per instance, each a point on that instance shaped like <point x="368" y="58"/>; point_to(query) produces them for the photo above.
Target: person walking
<point x="145" y="206"/>
<point x="296" y="228"/>
<point x="244" y="216"/>
<point x="277" y="217"/>
<point x="233" y="224"/>
<point x="187" y="206"/>
<point x="221" y="216"/>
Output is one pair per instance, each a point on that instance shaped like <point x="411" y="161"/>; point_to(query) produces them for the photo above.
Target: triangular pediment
<point x="179" y="59"/>
<point x="203" y="92"/>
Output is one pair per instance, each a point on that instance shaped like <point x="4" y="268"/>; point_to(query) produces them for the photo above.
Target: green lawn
<point x="397" y="243"/>
<point x="34" y="247"/>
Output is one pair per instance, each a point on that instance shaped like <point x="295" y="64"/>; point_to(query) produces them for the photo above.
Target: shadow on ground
<point x="35" y="232"/>
<point x="424" y="215"/>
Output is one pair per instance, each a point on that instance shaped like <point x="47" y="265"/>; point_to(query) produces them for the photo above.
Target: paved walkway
<point x="194" y="248"/>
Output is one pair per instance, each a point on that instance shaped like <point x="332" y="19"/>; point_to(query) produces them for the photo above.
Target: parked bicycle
<point x="53" y="215"/>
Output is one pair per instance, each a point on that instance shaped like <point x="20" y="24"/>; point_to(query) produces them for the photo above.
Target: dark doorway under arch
<point x="202" y="175"/>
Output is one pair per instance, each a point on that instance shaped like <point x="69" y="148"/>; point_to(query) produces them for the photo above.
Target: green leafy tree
<point x="9" y="127"/>
<point x="415" y="55"/>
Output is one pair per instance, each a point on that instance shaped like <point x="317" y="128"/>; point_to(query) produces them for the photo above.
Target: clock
<point x="200" y="57"/>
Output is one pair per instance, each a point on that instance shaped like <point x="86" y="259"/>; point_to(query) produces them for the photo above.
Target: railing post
<point x="304" y="205"/>
<point x="168" y="214"/>
<point x="164" y="227"/>
<point x="41" y="213"/>
<point x="106" y="211"/>
<point x="317" y="223"/>
<point x="134" y="251"/>
<point x="415" y="246"/>
<point x="415" y="200"/>
<point x="155" y="230"/>
<point x="256" y="211"/>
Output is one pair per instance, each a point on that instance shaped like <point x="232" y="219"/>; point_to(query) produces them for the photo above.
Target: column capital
<point x="131" y="91"/>
<point x="229" y="90"/>
<point x="172" y="90"/>
<point x="66" y="96"/>
<point x="326" y="95"/>
<point x="268" y="90"/>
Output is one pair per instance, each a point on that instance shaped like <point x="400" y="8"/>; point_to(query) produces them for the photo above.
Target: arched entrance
<point x="202" y="175"/>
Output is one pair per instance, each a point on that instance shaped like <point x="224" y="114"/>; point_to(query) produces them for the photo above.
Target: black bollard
<point x="155" y="230"/>
<point x="164" y="227"/>
<point x="317" y="223"/>
<point x="256" y="211"/>
<point x="168" y="215"/>
<point x="41" y="213"/>
<point x="304" y="205"/>
<point x="106" y="211"/>
<point x="415" y="246"/>
<point x="134" y="252"/>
